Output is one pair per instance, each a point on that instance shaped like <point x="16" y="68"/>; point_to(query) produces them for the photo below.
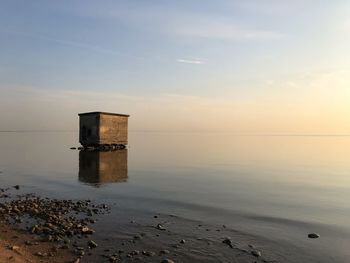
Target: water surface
<point x="275" y="187"/>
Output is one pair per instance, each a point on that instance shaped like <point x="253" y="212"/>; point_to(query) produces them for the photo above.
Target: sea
<point x="273" y="187"/>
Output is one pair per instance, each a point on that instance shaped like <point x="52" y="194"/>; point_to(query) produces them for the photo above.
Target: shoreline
<point x="65" y="231"/>
<point x="140" y="243"/>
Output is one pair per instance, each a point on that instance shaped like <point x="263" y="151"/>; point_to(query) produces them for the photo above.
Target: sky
<point x="241" y="66"/>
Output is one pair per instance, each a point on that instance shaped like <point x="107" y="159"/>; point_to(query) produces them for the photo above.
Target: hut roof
<point x="105" y="113"/>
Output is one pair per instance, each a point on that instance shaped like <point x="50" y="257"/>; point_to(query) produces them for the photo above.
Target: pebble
<point x="313" y="235"/>
<point x="92" y="244"/>
<point x="183" y="241"/>
<point x="167" y="261"/>
<point x="164" y="251"/>
<point x="148" y="253"/>
<point x="228" y="242"/>
<point x="86" y="231"/>
<point x="256" y="253"/>
<point x="63" y="247"/>
<point x="137" y="237"/>
<point x="14" y="247"/>
<point x="40" y="254"/>
<point x="112" y="258"/>
<point x="160" y="227"/>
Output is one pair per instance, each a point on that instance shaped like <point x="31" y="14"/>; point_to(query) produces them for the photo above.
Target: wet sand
<point x="19" y="246"/>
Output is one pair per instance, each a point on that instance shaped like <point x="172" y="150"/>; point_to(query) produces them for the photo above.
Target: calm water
<point x="277" y="187"/>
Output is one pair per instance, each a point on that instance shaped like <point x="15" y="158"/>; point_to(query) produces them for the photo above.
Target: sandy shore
<point x="20" y="246"/>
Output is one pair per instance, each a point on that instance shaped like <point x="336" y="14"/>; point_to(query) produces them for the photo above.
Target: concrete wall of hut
<point x="89" y="129"/>
<point x="113" y="129"/>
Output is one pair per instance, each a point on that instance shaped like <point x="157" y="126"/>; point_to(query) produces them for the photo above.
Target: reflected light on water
<point x="101" y="167"/>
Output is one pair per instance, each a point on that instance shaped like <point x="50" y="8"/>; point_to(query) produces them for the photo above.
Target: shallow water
<point x="275" y="187"/>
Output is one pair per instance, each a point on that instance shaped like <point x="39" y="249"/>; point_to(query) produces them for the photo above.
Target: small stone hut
<point x="103" y="128"/>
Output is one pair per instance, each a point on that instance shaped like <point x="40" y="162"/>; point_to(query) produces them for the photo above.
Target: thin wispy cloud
<point x="226" y="31"/>
<point x="191" y="61"/>
<point x="70" y="43"/>
<point x="271" y="7"/>
<point x="182" y="23"/>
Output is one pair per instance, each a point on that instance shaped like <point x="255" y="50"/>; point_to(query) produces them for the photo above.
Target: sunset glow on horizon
<point x="251" y="67"/>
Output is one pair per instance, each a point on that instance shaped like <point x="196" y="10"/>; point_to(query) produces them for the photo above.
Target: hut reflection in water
<point x="100" y="167"/>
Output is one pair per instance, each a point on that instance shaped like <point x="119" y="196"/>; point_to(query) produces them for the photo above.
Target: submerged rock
<point x="92" y="244"/>
<point x="228" y="242"/>
<point x="148" y="253"/>
<point x="160" y="227"/>
<point x="313" y="235"/>
<point x="256" y="253"/>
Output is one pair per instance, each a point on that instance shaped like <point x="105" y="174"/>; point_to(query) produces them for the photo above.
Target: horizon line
<point x="229" y="132"/>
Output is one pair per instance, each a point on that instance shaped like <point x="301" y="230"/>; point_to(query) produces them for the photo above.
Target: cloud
<point x="190" y="61"/>
<point x="70" y="43"/>
<point x="221" y="29"/>
<point x="176" y="22"/>
<point x="272" y="7"/>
